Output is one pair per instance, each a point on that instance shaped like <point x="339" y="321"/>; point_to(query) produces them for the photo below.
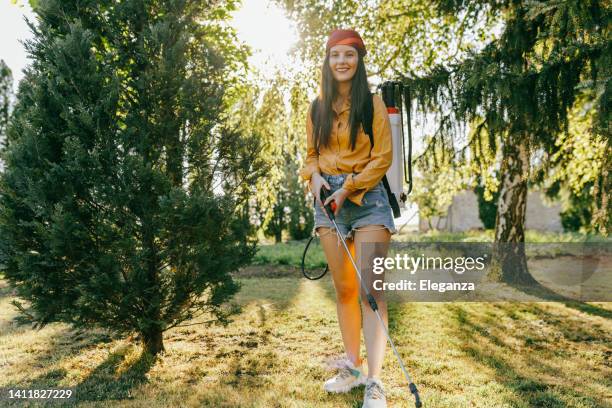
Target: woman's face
<point x="343" y="62"/>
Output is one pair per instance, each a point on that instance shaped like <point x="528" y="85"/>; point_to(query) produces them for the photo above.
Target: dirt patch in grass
<point x="268" y="271"/>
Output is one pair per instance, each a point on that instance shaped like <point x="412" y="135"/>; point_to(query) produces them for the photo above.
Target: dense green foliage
<point x="123" y="201"/>
<point x="527" y="81"/>
<point x="578" y="215"/>
<point x="279" y="206"/>
<point x="487" y="209"/>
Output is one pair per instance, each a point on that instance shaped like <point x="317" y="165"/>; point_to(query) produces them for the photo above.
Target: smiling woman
<point x="343" y="62"/>
<point x="342" y="159"/>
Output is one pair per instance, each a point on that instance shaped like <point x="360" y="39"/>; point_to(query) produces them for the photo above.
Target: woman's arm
<point x="381" y="154"/>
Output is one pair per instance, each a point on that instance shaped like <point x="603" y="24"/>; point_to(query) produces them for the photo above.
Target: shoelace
<point x="344" y="365"/>
<point x="374" y="391"/>
<point x="344" y="373"/>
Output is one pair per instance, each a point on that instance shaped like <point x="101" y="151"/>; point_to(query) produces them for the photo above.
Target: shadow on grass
<point x="250" y="369"/>
<point x="9" y="326"/>
<point x="45" y="347"/>
<point x="570" y="330"/>
<point x="549" y="295"/>
<point x="474" y="335"/>
<point x="111" y="380"/>
<point x="247" y="366"/>
<point x="115" y="378"/>
<point x="50" y="379"/>
<point x="64" y="346"/>
<point x="589" y="309"/>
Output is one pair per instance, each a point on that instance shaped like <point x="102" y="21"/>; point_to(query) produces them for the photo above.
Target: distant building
<point x="462" y="214"/>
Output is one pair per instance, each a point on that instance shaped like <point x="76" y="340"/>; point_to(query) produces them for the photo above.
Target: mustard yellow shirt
<point x="337" y="158"/>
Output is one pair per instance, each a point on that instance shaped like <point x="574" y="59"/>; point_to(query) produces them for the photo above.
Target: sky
<point x="13" y="28"/>
<point x="259" y="23"/>
<point x="264" y="26"/>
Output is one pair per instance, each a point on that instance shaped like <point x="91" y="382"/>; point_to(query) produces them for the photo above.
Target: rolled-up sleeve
<point x="381" y="154"/>
<point x="311" y="163"/>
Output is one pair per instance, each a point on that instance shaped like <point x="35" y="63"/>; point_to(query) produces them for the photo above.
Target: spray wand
<point x="330" y="209"/>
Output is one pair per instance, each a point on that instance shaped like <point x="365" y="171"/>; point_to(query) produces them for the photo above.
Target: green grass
<point x="489" y="355"/>
<point x="532" y="236"/>
<point x="500" y="355"/>
<point x="290" y="252"/>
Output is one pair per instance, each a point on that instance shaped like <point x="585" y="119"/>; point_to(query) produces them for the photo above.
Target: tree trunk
<point x="153" y="341"/>
<point x="601" y="193"/>
<point x="509" y="262"/>
<point x="278" y="223"/>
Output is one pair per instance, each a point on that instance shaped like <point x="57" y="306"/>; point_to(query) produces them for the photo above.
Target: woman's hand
<point x="339" y="196"/>
<point x="316" y="182"/>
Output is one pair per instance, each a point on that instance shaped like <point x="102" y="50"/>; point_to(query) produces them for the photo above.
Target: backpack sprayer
<point x="399" y="172"/>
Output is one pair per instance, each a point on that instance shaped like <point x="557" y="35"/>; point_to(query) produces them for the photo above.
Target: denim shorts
<point x="374" y="210"/>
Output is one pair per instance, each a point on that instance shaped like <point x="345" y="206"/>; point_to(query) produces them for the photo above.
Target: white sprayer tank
<point x="395" y="174"/>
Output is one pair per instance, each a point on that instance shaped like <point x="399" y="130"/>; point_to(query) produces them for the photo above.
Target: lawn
<point x="536" y="354"/>
<point x="290" y="252"/>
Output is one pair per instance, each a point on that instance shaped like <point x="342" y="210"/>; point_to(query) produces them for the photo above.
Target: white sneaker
<point x="374" y="394"/>
<point x="348" y="376"/>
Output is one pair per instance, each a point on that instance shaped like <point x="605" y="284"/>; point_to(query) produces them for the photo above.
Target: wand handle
<point x="330" y="208"/>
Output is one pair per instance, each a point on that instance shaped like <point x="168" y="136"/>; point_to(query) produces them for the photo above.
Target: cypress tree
<point x="122" y="203"/>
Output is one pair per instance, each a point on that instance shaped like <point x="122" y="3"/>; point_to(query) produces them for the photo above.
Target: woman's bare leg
<point x="372" y="241"/>
<point x="347" y="291"/>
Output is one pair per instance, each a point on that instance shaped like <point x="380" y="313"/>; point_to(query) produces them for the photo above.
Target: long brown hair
<point x="322" y="114"/>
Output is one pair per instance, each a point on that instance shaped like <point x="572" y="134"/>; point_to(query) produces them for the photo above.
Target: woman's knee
<point x="346" y="293"/>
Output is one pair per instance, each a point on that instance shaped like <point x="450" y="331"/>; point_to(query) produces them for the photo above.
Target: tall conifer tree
<point x="122" y="204"/>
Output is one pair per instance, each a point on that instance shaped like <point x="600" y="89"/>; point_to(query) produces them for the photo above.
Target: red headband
<point x="346" y="37"/>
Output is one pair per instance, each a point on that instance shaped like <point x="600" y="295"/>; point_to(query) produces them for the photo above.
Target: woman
<point x="342" y="160"/>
